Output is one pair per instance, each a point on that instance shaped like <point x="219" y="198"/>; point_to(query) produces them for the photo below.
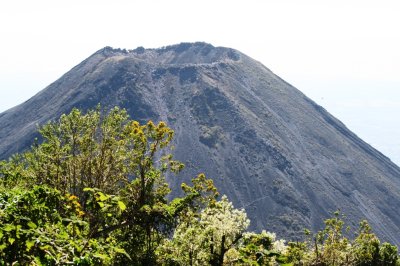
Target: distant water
<point x="372" y="112"/>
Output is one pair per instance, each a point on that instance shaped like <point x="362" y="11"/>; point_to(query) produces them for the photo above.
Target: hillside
<point x="271" y="149"/>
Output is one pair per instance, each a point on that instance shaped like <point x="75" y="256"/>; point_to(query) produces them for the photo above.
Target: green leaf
<point x="122" y="251"/>
<point x="32" y="225"/>
<point x="38" y="262"/>
<point x="63" y="235"/>
<point x="11" y="240"/>
<point x="121" y="205"/>
<point x="29" y="244"/>
<point x="47" y="248"/>
<point x="8" y="227"/>
<point x="102" y="197"/>
<point x="100" y="256"/>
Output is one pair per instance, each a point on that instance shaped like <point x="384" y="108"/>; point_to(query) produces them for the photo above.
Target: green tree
<point x="365" y="248"/>
<point x="389" y="255"/>
<point x="333" y="244"/>
<point x="101" y="151"/>
<point x="205" y="239"/>
<point x="330" y="247"/>
<point x="41" y="226"/>
<point x="111" y="155"/>
<point x="259" y="249"/>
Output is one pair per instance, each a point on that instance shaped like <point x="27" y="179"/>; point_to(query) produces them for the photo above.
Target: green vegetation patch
<point x="94" y="192"/>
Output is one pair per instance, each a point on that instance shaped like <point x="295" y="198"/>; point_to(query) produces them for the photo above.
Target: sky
<point x="343" y="54"/>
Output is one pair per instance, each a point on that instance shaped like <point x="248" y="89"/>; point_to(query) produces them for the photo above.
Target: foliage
<point x="43" y="227"/>
<point x="114" y="167"/>
<point x="94" y="192"/>
<point x="205" y="239"/>
<point x="330" y="246"/>
<point x="100" y="151"/>
<point x="259" y="249"/>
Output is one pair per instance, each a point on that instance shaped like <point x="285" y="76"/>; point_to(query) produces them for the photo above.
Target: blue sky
<point x="343" y="54"/>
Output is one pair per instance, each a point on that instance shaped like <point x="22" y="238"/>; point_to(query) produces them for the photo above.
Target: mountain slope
<point x="271" y="149"/>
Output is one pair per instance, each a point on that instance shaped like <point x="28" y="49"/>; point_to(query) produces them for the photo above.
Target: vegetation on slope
<point x="94" y="192"/>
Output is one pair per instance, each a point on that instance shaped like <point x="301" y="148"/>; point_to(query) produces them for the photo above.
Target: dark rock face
<point x="272" y="150"/>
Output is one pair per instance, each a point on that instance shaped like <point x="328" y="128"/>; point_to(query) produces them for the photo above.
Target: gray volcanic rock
<point x="271" y="149"/>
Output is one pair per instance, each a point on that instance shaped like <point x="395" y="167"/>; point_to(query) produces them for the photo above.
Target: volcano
<point x="268" y="147"/>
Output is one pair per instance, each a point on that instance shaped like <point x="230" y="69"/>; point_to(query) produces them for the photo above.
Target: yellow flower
<point x="72" y="197"/>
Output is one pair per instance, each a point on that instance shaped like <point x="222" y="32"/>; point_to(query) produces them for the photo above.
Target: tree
<point x="102" y="151"/>
<point x="259" y="249"/>
<point x="95" y="154"/>
<point x="330" y="247"/>
<point x="365" y="248"/>
<point x="41" y="226"/>
<point x="205" y="239"/>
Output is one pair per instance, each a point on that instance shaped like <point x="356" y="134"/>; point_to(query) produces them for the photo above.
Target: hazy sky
<point x="345" y="55"/>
